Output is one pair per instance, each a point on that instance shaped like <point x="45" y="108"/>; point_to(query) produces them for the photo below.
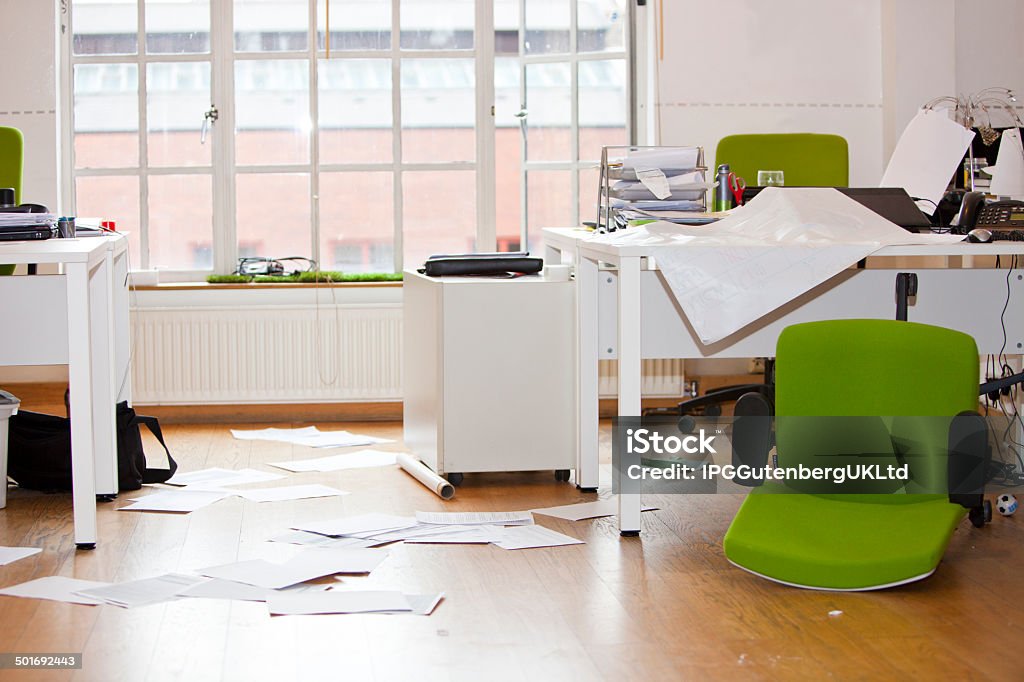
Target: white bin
<point x="8" y="406"/>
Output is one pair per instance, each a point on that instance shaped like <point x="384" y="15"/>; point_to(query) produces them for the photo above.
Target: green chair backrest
<point x="890" y="374"/>
<point x="808" y="159"/>
<point x="12" y="158"/>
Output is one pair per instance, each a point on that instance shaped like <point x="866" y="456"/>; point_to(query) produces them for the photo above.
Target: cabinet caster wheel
<point x="454" y="479"/>
<point x="586" y="490"/>
<point x="106" y="498"/>
<point x="629" y="533"/>
<point x="561" y="475"/>
<point x="85" y="545"/>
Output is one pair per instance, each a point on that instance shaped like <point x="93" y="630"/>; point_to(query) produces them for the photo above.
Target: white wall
<point x="28" y="96"/>
<point x="990" y="48"/>
<point x="783" y="66"/>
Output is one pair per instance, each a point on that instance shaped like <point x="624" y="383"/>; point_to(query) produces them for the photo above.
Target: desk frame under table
<point x="77" y="317"/>
<point x="625" y="311"/>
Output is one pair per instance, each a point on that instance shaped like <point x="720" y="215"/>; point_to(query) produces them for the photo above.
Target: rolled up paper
<point x="422" y="473"/>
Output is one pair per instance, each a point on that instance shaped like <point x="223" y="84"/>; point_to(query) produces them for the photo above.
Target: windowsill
<point x="207" y="286"/>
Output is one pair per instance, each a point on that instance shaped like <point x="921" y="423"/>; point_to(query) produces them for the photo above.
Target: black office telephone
<point x="998" y="215"/>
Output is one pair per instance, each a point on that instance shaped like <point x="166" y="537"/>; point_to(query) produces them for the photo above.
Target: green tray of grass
<point x="308" y="278"/>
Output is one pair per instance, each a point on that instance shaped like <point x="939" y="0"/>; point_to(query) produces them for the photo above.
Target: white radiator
<point x="293" y="354"/>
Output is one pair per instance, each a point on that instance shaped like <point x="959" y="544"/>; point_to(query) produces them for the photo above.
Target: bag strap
<point x="156" y="475"/>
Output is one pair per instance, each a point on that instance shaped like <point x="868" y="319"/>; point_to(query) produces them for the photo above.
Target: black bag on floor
<point x="39" y="451"/>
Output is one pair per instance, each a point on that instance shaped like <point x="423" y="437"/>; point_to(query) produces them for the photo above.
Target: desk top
<point x="81" y="250"/>
<point x="564" y="236"/>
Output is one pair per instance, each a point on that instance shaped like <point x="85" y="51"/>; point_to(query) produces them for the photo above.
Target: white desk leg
<point x="629" y="305"/>
<point x="588" y="454"/>
<point x="83" y="470"/>
<point x="122" y="329"/>
<point x="104" y="389"/>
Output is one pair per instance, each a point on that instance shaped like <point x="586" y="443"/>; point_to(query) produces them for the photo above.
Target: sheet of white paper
<point x="476" y="518"/>
<point x="530" y="537"/>
<point x="927" y="155"/>
<point x="668" y="159"/>
<point x="182" y="501"/>
<point x="1008" y="173"/>
<point x="354" y="460"/>
<point x="290" y="492"/>
<point x="364" y="523"/>
<point x="462" y="535"/>
<point x="11" y="554"/>
<point x="306" y="565"/>
<point x="337" y="601"/>
<point x="221" y="478"/>
<point x="301" y="537"/>
<point x="420" y="530"/>
<point x="142" y="592"/>
<point x="274" y="433"/>
<point x="55" y="588"/>
<point x="422" y="604"/>
<point x="585" y="510"/>
<point x="215" y="588"/>
<point x="780" y="245"/>
<point x="338" y="439"/>
<point x="655" y="181"/>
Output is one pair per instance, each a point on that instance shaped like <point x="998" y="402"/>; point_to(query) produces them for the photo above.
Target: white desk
<point x="78" y="318"/>
<point x="629" y="314"/>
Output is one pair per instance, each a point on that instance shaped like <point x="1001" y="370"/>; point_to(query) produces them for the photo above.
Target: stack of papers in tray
<point x="310" y="436"/>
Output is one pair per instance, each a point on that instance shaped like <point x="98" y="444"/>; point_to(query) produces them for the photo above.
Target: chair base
<point x="834" y="589"/>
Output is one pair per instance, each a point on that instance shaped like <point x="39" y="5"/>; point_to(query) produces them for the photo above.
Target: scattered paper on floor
<point x="474" y="518"/>
<point x="221" y="478"/>
<point x="354" y="460"/>
<point x="55" y="588"/>
<point x="306" y="565"/>
<point x="532" y="537"/>
<point x="180" y="501"/>
<point x="585" y="510"/>
<point x="142" y="592"/>
<point x="11" y="554"/>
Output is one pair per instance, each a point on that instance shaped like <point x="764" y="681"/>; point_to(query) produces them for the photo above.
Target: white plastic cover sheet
<point x="778" y="246"/>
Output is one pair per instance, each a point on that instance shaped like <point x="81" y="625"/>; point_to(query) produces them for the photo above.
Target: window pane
<point x="602" y="106"/>
<point x="550" y="194"/>
<point x="278" y="26"/>
<point x="178" y="94"/>
<point x="547" y="26"/>
<point x="549" y="107"/>
<point x="507" y="151"/>
<point x="177" y="27"/>
<point x="439" y="214"/>
<point x="438" y="110"/>
<point x="356" y="24"/>
<point x="112" y="198"/>
<point x="589" y="179"/>
<point x="181" y="222"/>
<point x="355" y="111"/>
<point x="357" y="222"/>
<point x="273" y="218"/>
<point x="437" y="25"/>
<point x="106" y="115"/>
<point x="601" y="26"/>
<point x="272" y="111"/>
<point x="108" y="28"/>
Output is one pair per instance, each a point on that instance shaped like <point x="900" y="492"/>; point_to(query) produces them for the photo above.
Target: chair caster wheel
<point x="561" y="475"/>
<point x="629" y="533"/>
<point x="454" y="479"/>
<point x="85" y="545"/>
<point x="980" y="515"/>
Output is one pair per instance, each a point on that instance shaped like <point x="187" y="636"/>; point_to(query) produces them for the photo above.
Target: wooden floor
<point x="666" y="605"/>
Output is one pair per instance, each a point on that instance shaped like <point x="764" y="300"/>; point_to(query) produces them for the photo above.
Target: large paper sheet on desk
<point x="782" y="244"/>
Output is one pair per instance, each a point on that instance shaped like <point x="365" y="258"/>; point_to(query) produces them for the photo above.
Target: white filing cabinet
<point x="489" y="373"/>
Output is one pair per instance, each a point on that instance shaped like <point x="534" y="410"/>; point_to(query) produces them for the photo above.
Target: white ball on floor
<point x="1006" y="504"/>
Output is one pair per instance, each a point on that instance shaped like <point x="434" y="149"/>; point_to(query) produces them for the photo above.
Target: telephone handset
<point x="999" y="215"/>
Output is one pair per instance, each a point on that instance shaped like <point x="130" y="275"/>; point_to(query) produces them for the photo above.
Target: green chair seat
<point x="12" y="145"/>
<point x="828" y="542"/>
<point x="808" y="159"/>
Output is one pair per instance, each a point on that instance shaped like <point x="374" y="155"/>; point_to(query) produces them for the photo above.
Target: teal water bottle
<point x="723" y="197"/>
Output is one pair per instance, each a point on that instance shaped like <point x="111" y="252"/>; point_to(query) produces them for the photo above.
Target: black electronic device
<point x="984" y="221"/>
<point x="20" y="233"/>
<point x="892" y="203"/>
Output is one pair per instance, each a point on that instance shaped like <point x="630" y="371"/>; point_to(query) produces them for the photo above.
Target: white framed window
<point x="209" y="130"/>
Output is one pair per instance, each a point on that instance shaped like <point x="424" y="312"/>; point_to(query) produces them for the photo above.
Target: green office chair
<point x="923" y="382"/>
<point x="808" y="159"/>
<point x="12" y="156"/>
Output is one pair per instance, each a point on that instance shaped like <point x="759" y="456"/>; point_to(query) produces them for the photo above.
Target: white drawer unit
<point x="488" y="374"/>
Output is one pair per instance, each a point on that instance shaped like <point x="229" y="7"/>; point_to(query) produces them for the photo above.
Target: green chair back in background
<point x="12" y="159"/>
<point x="808" y="159"/>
